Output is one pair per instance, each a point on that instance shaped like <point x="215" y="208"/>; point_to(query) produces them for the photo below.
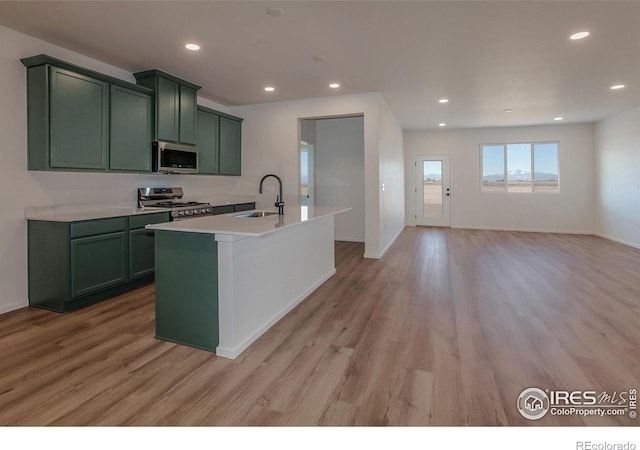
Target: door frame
<point x="446" y="159"/>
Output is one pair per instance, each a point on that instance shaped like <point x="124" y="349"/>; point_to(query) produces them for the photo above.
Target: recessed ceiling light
<point x="334" y="85"/>
<point x="269" y="89"/>
<point x="579" y="35"/>
<point x="443" y="100"/>
<point x="275" y="11"/>
<point x="558" y="118"/>
<point x="192" y="47"/>
<point x="442" y="124"/>
<point x="615" y="87"/>
<point x="508" y="110"/>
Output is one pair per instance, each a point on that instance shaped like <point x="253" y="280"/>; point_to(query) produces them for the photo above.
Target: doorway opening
<point x="331" y="170"/>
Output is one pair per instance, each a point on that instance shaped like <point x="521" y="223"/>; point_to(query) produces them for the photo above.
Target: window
<point x="526" y="167"/>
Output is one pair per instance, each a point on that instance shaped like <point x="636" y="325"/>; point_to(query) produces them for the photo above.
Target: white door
<point x="433" y="190"/>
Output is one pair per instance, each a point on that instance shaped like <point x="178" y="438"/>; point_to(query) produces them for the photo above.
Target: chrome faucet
<point x="279" y="203"/>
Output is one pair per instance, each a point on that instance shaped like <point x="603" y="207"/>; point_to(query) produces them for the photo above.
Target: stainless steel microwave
<point x="167" y="157"/>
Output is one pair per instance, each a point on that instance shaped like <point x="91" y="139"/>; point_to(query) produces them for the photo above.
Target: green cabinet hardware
<point x="219" y="141"/>
<point x="81" y="120"/>
<point x="130" y="130"/>
<point x="73" y="264"/>
<point x="174" y="106"/>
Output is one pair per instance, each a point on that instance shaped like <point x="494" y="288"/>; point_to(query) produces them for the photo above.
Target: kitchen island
<point x="222" y="281"/>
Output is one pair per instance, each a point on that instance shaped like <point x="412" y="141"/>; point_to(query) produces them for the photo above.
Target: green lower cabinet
<point x="73" y="264"/>
<point x="187" y="289"/>
<point x="98" y="262"/>
<point x="141" y="258"/>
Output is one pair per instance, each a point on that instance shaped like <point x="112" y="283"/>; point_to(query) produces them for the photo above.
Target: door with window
<point x="433" y="190"/>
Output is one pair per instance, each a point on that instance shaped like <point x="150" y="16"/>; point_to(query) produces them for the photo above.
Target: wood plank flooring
<point x="447" y="329"/>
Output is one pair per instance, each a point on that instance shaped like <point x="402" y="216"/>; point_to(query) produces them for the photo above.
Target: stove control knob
<point x="181" y="213"/>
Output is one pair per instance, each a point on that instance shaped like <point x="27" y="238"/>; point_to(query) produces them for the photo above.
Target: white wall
<point x="271" y="145"/>
<point x="339" y="173"/>
<point x="392" y="178"/>
<point x="618" y="174"/>
<point x="20" y="188"/>
<point x="572" y="210"/>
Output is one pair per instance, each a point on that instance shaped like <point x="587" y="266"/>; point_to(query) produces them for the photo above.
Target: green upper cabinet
<point x="78" y="119"/>
<point x="175" y="106"/>
<point x="207" y="141"/>
<point x="188" y="104"/>
<point x="219" y="141"/>
<point x="130" y="131"/>
<point x="167" y="110"/>
<point x="230" y="146"/>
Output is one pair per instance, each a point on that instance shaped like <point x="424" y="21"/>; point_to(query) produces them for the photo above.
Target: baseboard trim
<point x="233" y="353"/>
<point x="381" y="254"/>
<point x="619" y="241"/>
<point x="523" y="230"/>
<point x="13" y="306"/>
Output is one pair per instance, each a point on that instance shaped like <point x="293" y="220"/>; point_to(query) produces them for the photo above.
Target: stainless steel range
<point x="170" y="197"/>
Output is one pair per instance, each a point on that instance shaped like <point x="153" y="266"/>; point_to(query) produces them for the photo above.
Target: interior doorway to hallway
<point x="331" y="170"/>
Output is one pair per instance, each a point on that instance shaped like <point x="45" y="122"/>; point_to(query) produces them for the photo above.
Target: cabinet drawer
<point x="100" y="226"/>
<point x="147" y="219"/>
<point x="222" y="209"/>
<point x="244" y="206"/>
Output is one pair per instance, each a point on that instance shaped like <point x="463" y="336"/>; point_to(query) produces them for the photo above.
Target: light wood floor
<point x="447" y="329"/>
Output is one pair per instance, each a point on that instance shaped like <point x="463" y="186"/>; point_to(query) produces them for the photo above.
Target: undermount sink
<point x="257" y="214"/>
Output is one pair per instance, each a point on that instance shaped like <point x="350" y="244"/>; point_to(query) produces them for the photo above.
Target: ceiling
<point x="483" y="56"/>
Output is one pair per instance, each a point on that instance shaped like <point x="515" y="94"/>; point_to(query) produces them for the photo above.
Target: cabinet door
<point x="130" y="130"/>
<point x="188" y="101"/>
<point x="167" y="110"/>
<point x="98" y="262"/>
<point x="141" y="253"/>
<point x="230" y="146"/>
<point x="207" y="134"/>
<point x="79" y="121"/>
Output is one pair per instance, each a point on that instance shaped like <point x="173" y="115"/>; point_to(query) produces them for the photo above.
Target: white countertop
<point x="248" y="226"/>
<point x="76" y="213"/>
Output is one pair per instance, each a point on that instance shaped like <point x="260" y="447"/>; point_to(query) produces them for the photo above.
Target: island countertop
<point x="231" y="224"/>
